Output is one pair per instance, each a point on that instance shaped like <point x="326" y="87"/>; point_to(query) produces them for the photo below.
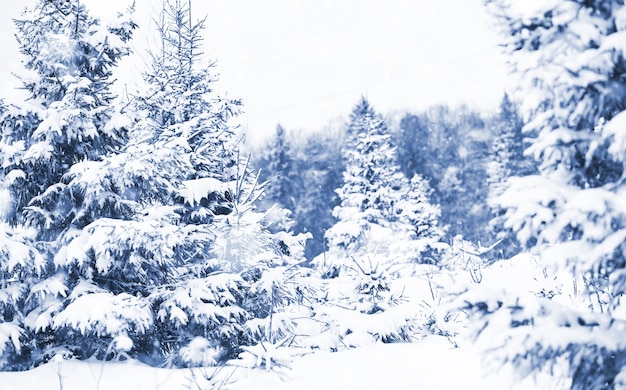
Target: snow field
<point x="434" y="362"/>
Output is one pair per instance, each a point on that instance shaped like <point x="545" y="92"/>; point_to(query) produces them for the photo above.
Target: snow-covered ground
<point x="430" y="364"/>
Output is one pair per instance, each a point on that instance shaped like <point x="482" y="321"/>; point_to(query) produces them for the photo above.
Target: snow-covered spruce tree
<point x="376" y="195"/>
<point x="507" y="160"/>
<point x="411" y="138"/>
<point x="192" y="249"/>
<point x="275" y="292"/>
<point x="570" y="57"/>
<point x="385" y="225"/>
<point x="69" y="57"/>
<point x="507" y="149"/>
<point x="284" y="183"/>
<point x="245" y="275"/>
<point x="180" y="94"/>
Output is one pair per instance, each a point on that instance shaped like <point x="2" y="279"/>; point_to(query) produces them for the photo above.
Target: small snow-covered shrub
<point x="468" y="257"/>
<point x="199" y="353"/>
<point x="270" y="356"/>
<point x="363" y="304"/>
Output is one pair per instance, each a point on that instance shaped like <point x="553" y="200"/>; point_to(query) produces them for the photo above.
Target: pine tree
<point x="570" y="59"/>
<point x="385" y="225"/>
<point x="174" y="176"/>
<point x="284" y="183"/>
<point x="508" y="147"/>
<point x="375" y="193"/>
<point x="243" y="277"/>
<point x="195" y="249"/>
<point x="508" y="160"/>
<point x="66" y="120"/>
<point x="368" y="178"/>
<point x="414" y="150"/>
<point x="281" y="160"/>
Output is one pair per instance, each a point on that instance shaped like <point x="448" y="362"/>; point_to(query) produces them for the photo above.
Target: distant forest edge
<point x="464" y="155"/>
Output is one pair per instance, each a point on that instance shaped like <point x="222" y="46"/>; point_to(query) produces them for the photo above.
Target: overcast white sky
<point x="304" y="62"/>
